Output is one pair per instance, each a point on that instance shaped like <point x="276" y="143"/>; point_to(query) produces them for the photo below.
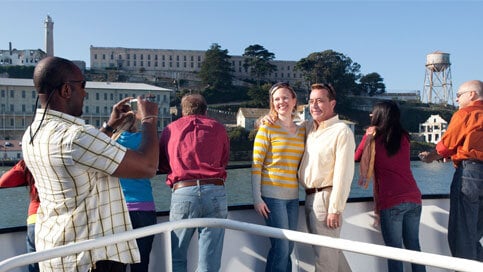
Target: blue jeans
<point x="465" y="226"/>
<point x="31" y="246"/>
<point x="205" y="201"/>
<point x="141" y="219"/>
<point x="400" y="224"/>
<point x="283" y="214"/>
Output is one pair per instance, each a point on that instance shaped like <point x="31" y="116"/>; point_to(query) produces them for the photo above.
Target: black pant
<point x="109" y="266"/>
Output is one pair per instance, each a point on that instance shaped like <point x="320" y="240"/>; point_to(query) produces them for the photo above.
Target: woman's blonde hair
<point x="128" y="124"/>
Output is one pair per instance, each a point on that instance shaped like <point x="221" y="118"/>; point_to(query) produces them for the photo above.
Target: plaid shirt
<point x="72" y="165"/>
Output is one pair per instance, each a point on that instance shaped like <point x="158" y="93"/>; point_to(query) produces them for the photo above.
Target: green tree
<point x="216" y="70"/>
<point x="331" y="67"/>
<point x="259" y="95"/>
<point x="258" y="59"/>
<point x="372" y="84"/>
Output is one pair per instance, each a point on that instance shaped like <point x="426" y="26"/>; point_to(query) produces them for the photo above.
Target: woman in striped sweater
<point x="277" y="151"/>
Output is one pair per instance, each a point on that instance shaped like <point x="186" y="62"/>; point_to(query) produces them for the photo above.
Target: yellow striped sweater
<point x="276" y="157"/>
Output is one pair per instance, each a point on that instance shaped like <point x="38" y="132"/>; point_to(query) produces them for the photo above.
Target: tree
<point x="215" y="70"/>
<point x="257" y="59"/>
<point x="331" y="67"/>
<point x="372" y="84"/>
<point x="259" y="95"/>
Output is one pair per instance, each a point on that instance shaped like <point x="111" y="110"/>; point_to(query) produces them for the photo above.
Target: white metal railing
<point x="405" y="255"/>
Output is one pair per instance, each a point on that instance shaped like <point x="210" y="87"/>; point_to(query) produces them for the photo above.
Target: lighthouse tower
<point x="49" y="36"/>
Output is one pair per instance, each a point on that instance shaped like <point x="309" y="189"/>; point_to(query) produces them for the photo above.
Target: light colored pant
<point x="205" y="201"/>
<point x="326" y="259"/>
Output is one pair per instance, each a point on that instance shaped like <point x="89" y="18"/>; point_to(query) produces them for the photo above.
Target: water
<point x="434" y="178"/>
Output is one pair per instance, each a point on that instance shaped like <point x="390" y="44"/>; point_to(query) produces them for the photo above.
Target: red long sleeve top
<point x="193" y="147"/>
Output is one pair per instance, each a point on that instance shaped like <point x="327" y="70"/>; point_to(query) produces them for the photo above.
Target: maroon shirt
<point x="193" y="147"/>
<point x="394" y="181"/>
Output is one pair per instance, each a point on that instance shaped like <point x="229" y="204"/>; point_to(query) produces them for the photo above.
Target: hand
<point x="146" y="107"/>
<point x="119" y="112"/>
<point x="429" y="157"/>
<point x="267" y="119"/>
<point x="333" y="220"/>
<point x="371" y="130"/>
<point x="262" y="209"/>
<point x="377" y="221"/>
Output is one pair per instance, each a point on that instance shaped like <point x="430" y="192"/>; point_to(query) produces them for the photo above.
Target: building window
<point x="112" y="96"/>
<point x="12" y="93"/>
<point x="103" y="56"/>
<point x="33" y="94"/>
<point x="105" y="96"/>
<point x="149" y="64"/>
<point x="12" y="108"/>
<point x="95" y="56"/>
<point x="23" y="94"/>
<point x="128" y="56"/>
<point x="142" y="56"/>
<point x="134" y="57"/>
<point x="120" y="57"/>
<point x="97" y="110"/>
<point x="97" y="96"/>
<point x="149" y="57"/>
<point x="87" y="109"/>
<point x="112" y="56"/>
<point x="23" y="108"/>
<point x="106" y="111"/>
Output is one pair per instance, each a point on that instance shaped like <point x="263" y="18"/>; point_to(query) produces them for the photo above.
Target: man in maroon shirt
<point x="194" y="151"/>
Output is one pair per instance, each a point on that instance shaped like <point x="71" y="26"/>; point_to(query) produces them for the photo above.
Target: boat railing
<point x="405" y="255"/>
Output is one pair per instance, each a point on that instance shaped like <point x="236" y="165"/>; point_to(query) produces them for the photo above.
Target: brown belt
<point x="195" y="182"/>
<point x="310" y="191"/>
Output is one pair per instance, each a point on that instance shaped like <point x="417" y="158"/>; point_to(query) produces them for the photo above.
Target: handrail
<point x="423" y="258"/>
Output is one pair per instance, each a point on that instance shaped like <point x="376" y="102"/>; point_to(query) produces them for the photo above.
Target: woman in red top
<point x="19" y="175"/>
<point x="397" y="197"/>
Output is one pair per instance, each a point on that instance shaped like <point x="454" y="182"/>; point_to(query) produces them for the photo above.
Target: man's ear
<point x="66" y="91"/>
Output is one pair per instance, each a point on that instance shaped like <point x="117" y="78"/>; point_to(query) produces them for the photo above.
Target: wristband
<point x="108" y="128"/>
<point x="148" y="117"/>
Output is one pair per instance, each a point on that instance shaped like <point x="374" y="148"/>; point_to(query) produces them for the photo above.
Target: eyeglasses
<point x="82" y="82"/>
<point x="279" y="85"/>
<point x="326" y="86"/>
<point x="458" y="94"/>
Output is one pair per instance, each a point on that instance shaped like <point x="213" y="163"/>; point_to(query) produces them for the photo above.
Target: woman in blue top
<point x="138" y="193"/>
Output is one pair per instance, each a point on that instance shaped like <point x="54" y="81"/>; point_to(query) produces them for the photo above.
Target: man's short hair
<point x="193" y="104"/>
<point x="51" y="73"/>
<point x="325" y="86"/>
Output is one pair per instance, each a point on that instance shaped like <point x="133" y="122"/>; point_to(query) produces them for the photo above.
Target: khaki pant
<point x="326" y="259"/>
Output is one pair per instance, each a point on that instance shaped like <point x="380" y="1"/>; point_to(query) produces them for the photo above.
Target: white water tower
<point x="438" y="87"/>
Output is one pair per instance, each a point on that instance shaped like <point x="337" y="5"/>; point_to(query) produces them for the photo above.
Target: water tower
<point x="438" y="87"/>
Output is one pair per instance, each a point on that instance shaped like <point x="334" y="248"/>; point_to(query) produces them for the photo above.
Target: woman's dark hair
<point x="386" y="118"/>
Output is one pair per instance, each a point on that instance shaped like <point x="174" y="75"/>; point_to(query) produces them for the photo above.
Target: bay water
<point x="432" y="179"/>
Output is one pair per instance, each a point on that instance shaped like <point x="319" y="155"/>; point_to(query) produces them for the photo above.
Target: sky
<point x="391" y="38"/>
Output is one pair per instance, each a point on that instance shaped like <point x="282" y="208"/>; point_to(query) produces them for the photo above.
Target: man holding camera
<point x="76" y="168"/>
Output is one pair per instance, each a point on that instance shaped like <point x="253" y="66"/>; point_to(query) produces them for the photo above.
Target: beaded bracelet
<point x="148" y="117"/>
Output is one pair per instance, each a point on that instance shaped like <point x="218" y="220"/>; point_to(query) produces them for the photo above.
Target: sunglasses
<point x="279" y="85"/>
<point x="458" y="95"/>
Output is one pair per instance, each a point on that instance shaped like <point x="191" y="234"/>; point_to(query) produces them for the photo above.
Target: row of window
<point x="111" y="96"/>
<point x="3" y="93"/>
<point x="141" y="57"/>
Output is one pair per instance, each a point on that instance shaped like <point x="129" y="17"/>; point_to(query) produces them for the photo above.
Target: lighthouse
<point x="49" y="36"/>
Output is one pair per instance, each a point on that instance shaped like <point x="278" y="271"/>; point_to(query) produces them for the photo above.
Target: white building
<point x="247" y="117"/>
<point x="17" y="103"/>
<point x="26" y="57"/>
<point x="433" y="129"/>
<point x="173" y="63"/>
